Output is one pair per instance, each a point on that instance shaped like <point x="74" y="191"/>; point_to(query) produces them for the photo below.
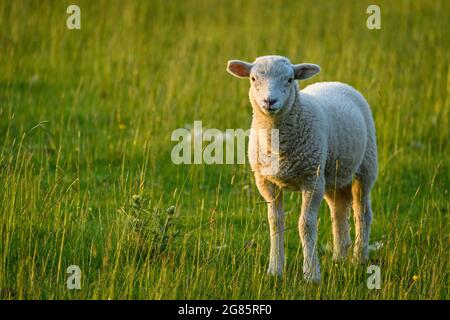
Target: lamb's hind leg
<point x="339" y="201"/>
<point x="363" y="218"/>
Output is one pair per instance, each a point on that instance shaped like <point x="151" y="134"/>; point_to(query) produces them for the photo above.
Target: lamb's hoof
<point x="360" y="257"/>
<point x="274" y="272"/>
<point x="312" y="277"/>
<point x="341" y="254"/>
<point x="340" y="257"/>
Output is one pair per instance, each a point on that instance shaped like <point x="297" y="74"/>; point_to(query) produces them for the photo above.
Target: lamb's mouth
<point x="272" y="110"/>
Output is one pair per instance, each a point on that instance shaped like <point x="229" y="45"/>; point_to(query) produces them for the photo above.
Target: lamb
<point x="326" y="149"/>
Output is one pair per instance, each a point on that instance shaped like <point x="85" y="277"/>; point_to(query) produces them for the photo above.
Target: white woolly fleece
<point x="327" y="149"/>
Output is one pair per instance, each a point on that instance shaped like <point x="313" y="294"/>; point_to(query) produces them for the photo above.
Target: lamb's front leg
<point x="273" y="197"/>
<point x="307" y="226"/>
<point x="276" y="224"/>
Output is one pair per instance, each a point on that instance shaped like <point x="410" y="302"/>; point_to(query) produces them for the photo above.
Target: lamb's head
<point x="272" y="85"/>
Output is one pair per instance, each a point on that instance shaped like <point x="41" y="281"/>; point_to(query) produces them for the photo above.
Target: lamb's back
<point x="348" y="122"/>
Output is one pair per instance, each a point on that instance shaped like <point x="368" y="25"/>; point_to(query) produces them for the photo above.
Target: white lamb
<point x="327" y="148"/>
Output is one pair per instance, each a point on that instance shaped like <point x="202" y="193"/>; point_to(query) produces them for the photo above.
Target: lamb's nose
<point x="269" y="102"/>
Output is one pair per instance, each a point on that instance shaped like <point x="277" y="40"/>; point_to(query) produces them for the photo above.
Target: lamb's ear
<point x="240" y="69"/>
<point x="304" y="71"/>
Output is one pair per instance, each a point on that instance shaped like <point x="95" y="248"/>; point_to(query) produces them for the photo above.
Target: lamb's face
<point x="272" y="84"/>
<point x="272" y="80"/>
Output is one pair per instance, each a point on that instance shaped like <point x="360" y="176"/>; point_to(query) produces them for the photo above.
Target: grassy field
<point x="86" y="118"/>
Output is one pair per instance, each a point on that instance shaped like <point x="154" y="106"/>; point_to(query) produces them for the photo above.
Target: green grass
<point x="85" y="123"/>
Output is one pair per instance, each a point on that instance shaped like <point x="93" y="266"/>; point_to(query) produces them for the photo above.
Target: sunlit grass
<point x="85" y="123"/>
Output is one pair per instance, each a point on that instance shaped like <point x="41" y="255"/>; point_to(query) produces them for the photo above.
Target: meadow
<point x="86" y="176"/>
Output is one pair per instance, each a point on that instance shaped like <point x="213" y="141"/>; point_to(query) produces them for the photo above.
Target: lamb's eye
<point x="253" y="79"/>
<point x="290" y="80"/>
